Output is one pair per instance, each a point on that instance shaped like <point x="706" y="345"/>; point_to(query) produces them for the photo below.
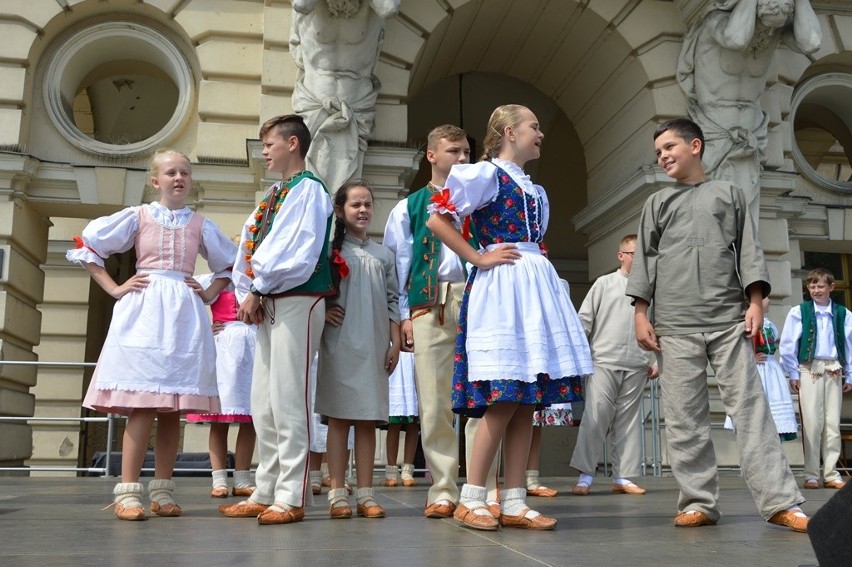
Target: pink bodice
<point x="225" y="307"/>
<point x="162" y="248"/>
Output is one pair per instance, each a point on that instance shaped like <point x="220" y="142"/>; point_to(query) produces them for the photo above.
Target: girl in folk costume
<point x="234" y="362"/>
<point x="359" y="348"/>
<point x="773" y="379"/>
<point x="520" y="342"/>
<point x="158" y="360"/>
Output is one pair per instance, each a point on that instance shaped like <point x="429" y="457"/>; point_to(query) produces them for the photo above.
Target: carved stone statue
<point x="723" y="68"/>
<point x="335" y="45"/>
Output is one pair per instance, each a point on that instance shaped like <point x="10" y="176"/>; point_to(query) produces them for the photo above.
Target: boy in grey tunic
<point x="698" y="259"/>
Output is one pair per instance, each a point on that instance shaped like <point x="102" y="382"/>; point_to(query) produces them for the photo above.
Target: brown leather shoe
<point x="439" y="510"/>
<point x="540" y="522"/>
<point x="541" y="491"/>
<point x="836" y="484"/>
<point x="370" y="510"/>
<point x="580" y="489"/>
<point x="409" y="482"/>
<point x="243" y="490"/>
<point x="628" y="489"/>
<point x="274" y="515"/>
<point x="390" y="482"/>
<point x="811" y="484"/>
<point x="494" y="508"/>
<point x="170" y="510"/>
<point x="340" y="512"/>
<point x="244" y="509"/>
<point x="219" y="492"/>
<point x="693" y="520"/>
<point x="467" y="516"/>
<point x="316" y="489"/>
<point x="789" y="519"/>
<point x="130" y="513"/>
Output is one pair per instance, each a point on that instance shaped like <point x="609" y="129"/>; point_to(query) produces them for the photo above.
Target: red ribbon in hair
<point x="339" y="262"/>
<point x="545" y="251"/>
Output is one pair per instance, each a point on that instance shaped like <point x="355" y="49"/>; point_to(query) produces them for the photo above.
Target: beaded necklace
<point x="264" y="215"/>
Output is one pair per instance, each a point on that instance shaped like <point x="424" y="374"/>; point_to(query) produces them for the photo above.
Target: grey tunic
<point x="352" y="382"/>
<point x="696" y="253"/>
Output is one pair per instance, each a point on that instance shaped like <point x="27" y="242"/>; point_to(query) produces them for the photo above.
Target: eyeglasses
<point x="623" y="252"/>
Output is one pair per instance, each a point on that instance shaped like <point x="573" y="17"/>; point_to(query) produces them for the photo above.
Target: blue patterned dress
<point x="519" y="337"/>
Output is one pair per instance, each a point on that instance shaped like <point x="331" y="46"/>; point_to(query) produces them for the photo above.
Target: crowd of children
<point x="406" y="333"/>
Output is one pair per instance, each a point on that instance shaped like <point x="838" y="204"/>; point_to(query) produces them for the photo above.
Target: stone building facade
<point x="89" y="88"/>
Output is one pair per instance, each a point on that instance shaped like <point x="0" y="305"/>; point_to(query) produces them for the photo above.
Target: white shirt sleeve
<point x="471" y="186"/>
<point x="399" y="239"/>
<point x="789" y="345"/>
<point x="105" y="236"/>
<point x="289" y="254"/>
<point x="589" y="307"/>
<point x="217" y="249"/>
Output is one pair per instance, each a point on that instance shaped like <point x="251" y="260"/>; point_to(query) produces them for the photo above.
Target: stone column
<point x="23" y="245"/>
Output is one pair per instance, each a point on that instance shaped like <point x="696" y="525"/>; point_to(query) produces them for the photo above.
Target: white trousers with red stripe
<point x="280" y="397"/>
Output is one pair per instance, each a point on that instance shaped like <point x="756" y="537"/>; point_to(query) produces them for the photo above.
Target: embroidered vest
<point x="320" y="281"/>
<point x="807" y="343"/>
<point x="425" y="254"/>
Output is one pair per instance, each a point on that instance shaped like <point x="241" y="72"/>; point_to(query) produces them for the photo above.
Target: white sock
<point x="220" y="479"/>
<point x="161" y="491"/>
<point x="242" y="479"/>
<point x="338" y="497"/>
<point x="316" y="478"/>
<point x="407" y="472"/>
<point x="514" y="502"/>
<point x="622" y="481"/>
<point x="473" y="497"/>
<point x="128" y="494"/>
<point x="586" y="479"/>
<point x="532" y="479"/>
<point x="364" y="495"/>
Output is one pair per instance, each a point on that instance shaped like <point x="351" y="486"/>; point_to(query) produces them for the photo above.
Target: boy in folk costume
<point x="816" y="350"/>
<point x="282" y="275"/>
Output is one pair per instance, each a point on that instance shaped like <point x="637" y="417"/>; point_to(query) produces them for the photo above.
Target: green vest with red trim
<point x="807" y="342"/>
<point x="425" y="254"/>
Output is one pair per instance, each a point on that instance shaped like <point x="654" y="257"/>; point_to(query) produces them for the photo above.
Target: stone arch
<point x="608" y="69"/>
<point x="609" y="66"/>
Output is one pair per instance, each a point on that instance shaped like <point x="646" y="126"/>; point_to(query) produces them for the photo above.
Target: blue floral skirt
<point x="472" y="398"/>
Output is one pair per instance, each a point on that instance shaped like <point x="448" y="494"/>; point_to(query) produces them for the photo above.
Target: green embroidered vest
<point x="807" y="342"/>
<point x="426" y="253"/>
<point x="320" y="281"/>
